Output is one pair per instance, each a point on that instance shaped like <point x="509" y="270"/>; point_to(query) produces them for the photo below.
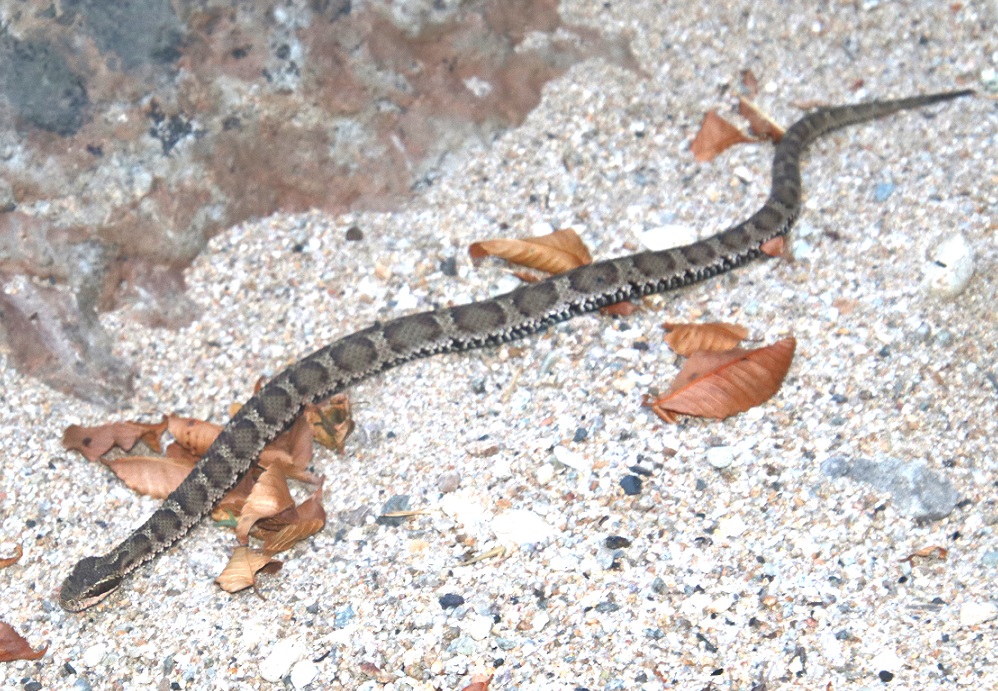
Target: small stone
<point x="949" y="267"/>
<point x="285" y="653"/>
<point x="631" y="484"/>
<point x="478" y="627"/>
<point x="720" y="457"/>
<point x="616" y="542"/>
<point x="343" y="616"/>
<point x="882" y="191"/>
<point x="571" y="459"/>
<point x="544" y="474"/>
<point x="667" y="236"/>
<point x="521" y="527"/>
<point x="887" y="660"/>
<point x="450" y="601"/>
<point x="400" y="502"/>
<point x="449" y="482"/>
<point x="916" y="491"/>
<point x="93" y="655"/>
<point x="743" y="174"/>
<point x="539" y="621"/>
<point x="303" y="673"/>
<point x="731" y="526"/>
<point x="974" y="613"/>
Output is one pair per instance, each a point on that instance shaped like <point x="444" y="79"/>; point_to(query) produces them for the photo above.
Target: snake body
<point x="516" y="314"/>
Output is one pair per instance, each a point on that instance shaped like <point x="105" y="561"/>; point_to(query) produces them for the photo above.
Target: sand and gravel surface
<point x="750" y="558"/>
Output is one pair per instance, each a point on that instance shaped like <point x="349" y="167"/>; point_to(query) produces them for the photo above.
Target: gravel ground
<point x="743" y="564"/>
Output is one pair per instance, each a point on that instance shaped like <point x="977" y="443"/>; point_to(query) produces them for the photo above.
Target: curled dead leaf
<point x="193" y="434"/>
<point x="269" y="496"/>
<point x="720" y="384"/>
<point x="620" y="309"/>
<point x="154" y="476"/>
<point x="14" y="647"/>
<point x="931" y="552"/>
<point x="232" y="502"/>
<point x="10" y="561"/>
<point x="716" y="135"/>
<point x="479" y="682"/>
<point x="554" y="253"/>
<point x="305" y="520"/>
<point x="686" y="339"/>
<point x="776" y="247"/>
<point x="94" y="442"/>
<point x="244" y="564"/>
<point x="761" y="123"/>
<point x="292" y="450"/>
<point x="331" y="422"/>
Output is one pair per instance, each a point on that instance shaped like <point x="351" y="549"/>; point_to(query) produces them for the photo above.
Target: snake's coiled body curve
<point x="490" y="322"/>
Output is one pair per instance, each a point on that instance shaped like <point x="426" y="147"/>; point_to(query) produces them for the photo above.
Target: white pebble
<point x="667" y="236"/>
<point x="544" y="474"/>
<point x="720" y="456"/>
<point x="539" y="621"/>
<point x="478" y="627"/>
<point x="743" y="173"/>
<point x="521" y="527"/>
<point x="886" y="660"/>
<point x="949" y="267"/>
<point x="303" y="673"/>
<point x="571" y="459"/>
<point x="973" y="613"/>
<point x="93" y="655"/>
<point x="731" y="526"/>
<point x="286" y="652"/>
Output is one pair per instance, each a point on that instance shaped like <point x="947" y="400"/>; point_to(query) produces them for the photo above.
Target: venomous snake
<point x="516" y="314"/>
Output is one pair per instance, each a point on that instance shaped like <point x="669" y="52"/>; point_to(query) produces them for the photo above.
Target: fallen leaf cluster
<point x="260" y="506"/>
<point x="719" y="380"/>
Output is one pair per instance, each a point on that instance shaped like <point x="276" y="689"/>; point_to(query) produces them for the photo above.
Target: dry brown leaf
<point x="232" y="502"/>
<point x="94" y="442"/>
<point x="776" y="247"/>
<point x="14" y="647"/>
<point x="934" y="551"/>
<point x="686" y="339"/>
<point x="554" y="253"/>
<point x="620" y="309"/>
<point x="750" y="82"/>
<point x="292" y="450"/>
<point x="719" y="385"/>
<point x="10" y="561"/>
<point x="154" y="476"/>
<point x="479" y="682"/>
<point x="760" y="122"/>
<point x="716" y="134"/>
<point x="331" y="422"/>
<point x="309" y="518"/>
<point x="244" y="564"/>
<point x="269" y="496"/>
<point x="193" y="434"/>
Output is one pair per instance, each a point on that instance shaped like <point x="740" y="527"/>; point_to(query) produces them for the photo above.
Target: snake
<point x="526" y="310"/>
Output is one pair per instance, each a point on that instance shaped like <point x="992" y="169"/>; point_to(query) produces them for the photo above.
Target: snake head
<point x="92" y="579"/>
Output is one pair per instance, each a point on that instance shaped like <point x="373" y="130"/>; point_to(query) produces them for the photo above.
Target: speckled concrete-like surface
<point x="766" y="571"/>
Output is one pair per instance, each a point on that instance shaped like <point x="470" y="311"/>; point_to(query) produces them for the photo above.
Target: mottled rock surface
<point x="131" y="133"/>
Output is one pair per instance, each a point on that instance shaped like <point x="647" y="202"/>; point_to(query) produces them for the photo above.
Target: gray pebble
<point x="915" y="490"/>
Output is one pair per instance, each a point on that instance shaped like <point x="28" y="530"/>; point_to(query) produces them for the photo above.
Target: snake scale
<point x="523" y="311"/>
